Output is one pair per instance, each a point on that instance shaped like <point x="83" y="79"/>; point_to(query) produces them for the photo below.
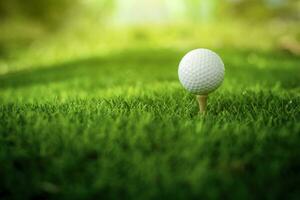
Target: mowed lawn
<point x="120" y="126"/>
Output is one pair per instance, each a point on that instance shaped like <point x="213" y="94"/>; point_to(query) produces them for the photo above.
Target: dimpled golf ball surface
<point x="201" y="71"/>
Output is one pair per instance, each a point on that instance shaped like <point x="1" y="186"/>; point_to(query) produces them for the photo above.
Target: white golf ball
<point x="201" y="71"/>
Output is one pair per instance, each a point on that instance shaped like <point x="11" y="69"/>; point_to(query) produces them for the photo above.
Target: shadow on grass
<point x="49" y="74"/>
<point x="89" y="67"/>
<point x="162" y="61"/>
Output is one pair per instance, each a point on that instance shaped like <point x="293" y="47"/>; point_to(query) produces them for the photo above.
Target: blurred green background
<point x="39" y="29"/>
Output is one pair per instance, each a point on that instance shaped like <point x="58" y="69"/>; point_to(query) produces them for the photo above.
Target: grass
<point x="121" y="126"/>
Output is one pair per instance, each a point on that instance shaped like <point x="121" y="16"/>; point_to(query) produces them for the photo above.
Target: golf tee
<point x="202" y="100"/>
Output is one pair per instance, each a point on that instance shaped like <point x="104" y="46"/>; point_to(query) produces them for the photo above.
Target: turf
<point x="121" y="127"/>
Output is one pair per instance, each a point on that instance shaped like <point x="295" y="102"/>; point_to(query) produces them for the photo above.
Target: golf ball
<point x="201" y="71"/>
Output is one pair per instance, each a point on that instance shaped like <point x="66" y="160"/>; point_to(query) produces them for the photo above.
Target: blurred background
<point x="35" y="32"/>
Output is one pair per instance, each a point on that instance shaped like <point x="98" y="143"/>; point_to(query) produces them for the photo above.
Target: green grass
<point x="121" y="126"/>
